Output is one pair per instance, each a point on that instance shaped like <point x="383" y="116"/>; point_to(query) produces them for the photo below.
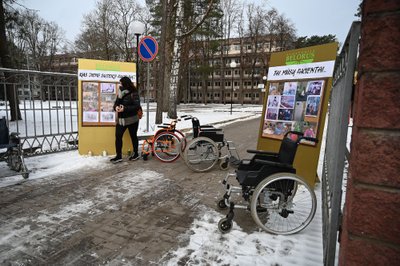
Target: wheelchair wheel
<point x="283" y="204"/>
<point x="146" y="149"/>
<point x="222" y="205"/>
<point x="225" y="225"/>
<point x="14" y="160"/>
<point x="182" y="138"/>
<point x="166" y="147"/>
<point x="183" y="146"/>
<point x="201" y="154"/>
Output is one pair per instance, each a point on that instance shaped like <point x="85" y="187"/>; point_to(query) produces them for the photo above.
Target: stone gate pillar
<point x="371" y="226"/>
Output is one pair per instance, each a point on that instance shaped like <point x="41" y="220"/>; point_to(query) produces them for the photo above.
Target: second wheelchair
<point x="203" y="152"/>
<point x="280" y="201"/>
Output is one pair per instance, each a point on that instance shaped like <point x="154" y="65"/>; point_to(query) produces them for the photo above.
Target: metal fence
<point x="335" y="152"/>
<point x="48" y="105"/>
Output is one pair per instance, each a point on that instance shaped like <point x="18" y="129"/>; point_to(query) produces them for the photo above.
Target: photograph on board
<point x="301" y="93"/>
<point x="287" y="102"/>
<point x="312" y="106"/>
<point x="275" y="88"/>
<point x="290" y="88"/>
<point x="285" y="114"/>
<point x="272" y="113"/>
<point x="315" y="87"/>
<point x="273" y="101"/>
<point x="109" y="88"/>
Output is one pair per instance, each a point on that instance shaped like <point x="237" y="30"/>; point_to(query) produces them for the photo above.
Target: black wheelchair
<point x="13" y="154"/>
<point x="280" y="201"/>
<point x="204" y="151"/>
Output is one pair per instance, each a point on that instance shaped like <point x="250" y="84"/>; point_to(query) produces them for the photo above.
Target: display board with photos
<point x="97" y="103"/>
<point x="293" y="105"/>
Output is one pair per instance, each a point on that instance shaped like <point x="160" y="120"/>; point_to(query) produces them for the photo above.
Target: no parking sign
<point x="148" y="48"/>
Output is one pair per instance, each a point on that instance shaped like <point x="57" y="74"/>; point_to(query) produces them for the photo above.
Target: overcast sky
<point x="311" y="17"/>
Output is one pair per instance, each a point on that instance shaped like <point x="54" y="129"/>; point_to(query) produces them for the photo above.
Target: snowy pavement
<point x="80" y="210"/>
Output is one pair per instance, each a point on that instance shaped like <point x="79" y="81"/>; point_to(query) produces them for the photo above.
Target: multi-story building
<point x="239" y="78"/>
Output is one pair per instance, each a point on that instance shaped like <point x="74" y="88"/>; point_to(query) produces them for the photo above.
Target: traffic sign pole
<point x="148" y="49"/>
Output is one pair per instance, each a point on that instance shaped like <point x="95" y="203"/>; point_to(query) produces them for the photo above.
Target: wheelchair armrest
<point x="277" y="164"/>
<point x="210" y="129"/>
<point x="310" y="139"/>
<point x="245" y="161"/>
<point x="274" y="154"/>
<point x="163" y="126"/>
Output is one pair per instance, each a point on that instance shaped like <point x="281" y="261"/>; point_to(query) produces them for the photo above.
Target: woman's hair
<point x="127" y="83"/>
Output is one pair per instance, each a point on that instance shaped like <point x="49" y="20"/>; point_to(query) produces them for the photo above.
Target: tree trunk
<point x="5" y="61"/>
<point x="161" y="70"/>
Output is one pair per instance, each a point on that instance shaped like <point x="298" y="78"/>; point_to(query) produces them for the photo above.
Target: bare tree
<point x="231" y="11"/>
<point x="37" y="38"/>
<point x="286" y="33"/>
<point x="96" y="37"/>
<point x="6" y="62"/>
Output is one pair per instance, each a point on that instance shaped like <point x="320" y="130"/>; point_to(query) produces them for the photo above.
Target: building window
<point x="217" y="83"/>
<point x="228" y="73"/>
<point x="227" y="83"/>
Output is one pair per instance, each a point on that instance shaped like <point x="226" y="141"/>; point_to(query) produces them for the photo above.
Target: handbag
<point x="140" y="113"/>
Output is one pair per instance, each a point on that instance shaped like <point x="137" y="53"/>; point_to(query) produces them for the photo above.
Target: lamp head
<point x="138" y="27"/>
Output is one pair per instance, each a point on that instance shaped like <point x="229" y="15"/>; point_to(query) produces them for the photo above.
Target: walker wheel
<point x="145" y="157"/>
<point x="222" y="205"/>
<point x="225" y="225"/>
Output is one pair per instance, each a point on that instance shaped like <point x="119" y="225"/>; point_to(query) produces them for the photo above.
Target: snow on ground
<point x="207" y="246"/>
<point x="203" y="243"/>
<point x="215" y="114"/>
<point x="134" y="182"/>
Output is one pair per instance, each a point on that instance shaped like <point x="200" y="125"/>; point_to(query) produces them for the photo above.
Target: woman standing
<point x="127" y="105"/>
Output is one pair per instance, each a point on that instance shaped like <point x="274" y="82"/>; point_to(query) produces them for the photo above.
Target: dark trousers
<point x="119" y="132"/>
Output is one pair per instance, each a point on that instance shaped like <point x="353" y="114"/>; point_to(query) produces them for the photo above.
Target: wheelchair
<point x="204" y="151"/>
<point x="165" y="144"/>
<point x="280" y="201"/>
<point x="14" y="155"/>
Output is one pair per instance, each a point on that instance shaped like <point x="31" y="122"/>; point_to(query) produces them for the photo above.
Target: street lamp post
<point x="233" y="65"/>
<point x="138" y="29"/>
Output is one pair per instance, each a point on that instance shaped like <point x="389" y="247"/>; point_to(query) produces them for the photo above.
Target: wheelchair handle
<point x="165" y="126"/>
<point x="294" y="132"/>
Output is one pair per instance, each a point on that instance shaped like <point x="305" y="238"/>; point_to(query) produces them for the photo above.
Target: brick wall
<point x="371" y="225"/>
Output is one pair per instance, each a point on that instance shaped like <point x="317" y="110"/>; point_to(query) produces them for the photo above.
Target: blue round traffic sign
<point x="148" y="48"/>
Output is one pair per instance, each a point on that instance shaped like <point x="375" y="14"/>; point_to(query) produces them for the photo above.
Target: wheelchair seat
<point x="5" y="142"/>
<point x="210" y="132"/>
<point x="252" y="172"/>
